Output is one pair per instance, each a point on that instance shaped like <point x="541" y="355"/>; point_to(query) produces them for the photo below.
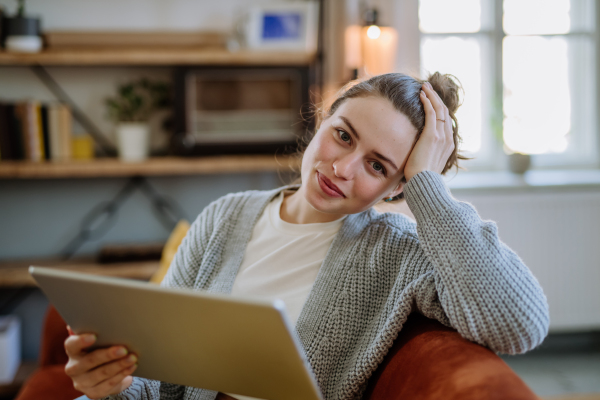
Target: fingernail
<point x="89" y="339"/>
<point x="121" y="351"/>
<point x="132" y="358"/>
<point x="423" y="93"/>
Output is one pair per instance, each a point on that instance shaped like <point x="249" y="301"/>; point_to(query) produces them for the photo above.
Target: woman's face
<point x="357" y="156"/>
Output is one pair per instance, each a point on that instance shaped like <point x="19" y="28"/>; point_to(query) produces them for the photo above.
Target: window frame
<point x="493" y="156"/>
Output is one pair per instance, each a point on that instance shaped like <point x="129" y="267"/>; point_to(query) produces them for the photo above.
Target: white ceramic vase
<point x="133" y="140"/>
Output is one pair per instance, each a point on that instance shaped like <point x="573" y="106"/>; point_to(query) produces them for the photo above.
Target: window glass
<point x="443" y="16"/>
<point x="548" y="17"/>
<point x="526" y="17"/>
<point x="460" y="57"/>
<point x="537" y="96"/>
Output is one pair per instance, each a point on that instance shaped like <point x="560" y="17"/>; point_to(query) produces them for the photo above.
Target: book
<point x="45" y="133"/>
<point x="54" y="131"/>
<point x="38" y="131"/>
<point x="28" y="116"/>
<point x="6" y="146"/>
<point x="15" y="132"/>
<point x="22" y="127"/>
<point x="33" y="131"/>
<point x="65" y="133"/>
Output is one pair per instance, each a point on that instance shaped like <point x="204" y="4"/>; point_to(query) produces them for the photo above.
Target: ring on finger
<point x="439" y="119"/>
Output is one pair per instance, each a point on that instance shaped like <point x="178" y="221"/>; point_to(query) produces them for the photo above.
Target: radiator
<point x="556" y="231"/>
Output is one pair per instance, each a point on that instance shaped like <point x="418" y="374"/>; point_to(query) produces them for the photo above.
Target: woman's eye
<point x="344" y="136"/>
<point x="378" y="167"/>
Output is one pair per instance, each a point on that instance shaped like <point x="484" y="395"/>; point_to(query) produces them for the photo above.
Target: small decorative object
<point x="131" y="109"/>
<point x="289" y="26"/>
<point x="519" y="163"/>
<point x="82" y="147"/>
<point x="22" y="33"/>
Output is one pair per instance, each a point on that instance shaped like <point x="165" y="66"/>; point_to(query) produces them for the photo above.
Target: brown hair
<point x="403" y="91"/>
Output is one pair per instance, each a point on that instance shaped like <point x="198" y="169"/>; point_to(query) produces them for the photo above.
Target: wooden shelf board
<point x="16" y="273"/>
<point x="159" y="166"/>
<point x="155" y="57"/>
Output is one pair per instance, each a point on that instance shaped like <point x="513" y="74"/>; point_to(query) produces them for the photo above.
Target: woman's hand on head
<point x="98" y="373"/>
<point x="436" y="143"/>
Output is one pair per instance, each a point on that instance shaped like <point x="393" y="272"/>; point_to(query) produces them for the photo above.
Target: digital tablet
<point x="186" y="337"/>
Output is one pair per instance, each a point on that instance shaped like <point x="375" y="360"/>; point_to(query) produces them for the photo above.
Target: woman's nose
<point x="345" y="167"/>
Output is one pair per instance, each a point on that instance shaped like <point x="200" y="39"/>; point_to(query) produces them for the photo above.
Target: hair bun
<point x="447" y="87"/>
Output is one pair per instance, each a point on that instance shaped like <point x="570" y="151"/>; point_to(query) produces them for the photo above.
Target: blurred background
<point x="118" y="119"/>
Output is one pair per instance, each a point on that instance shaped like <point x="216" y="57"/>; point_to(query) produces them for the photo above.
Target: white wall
<point x="134" y="14"/>
<point x="555" y="232"/>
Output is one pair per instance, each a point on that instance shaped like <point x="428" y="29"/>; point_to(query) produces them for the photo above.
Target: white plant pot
<point x="24" y="44"/>
<point x="133" y="140"/>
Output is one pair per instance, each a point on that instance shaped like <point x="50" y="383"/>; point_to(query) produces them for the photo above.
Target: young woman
<point x="349" y="275"/>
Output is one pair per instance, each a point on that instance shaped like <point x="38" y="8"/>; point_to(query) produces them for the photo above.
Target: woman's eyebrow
<point x="386" y="159"/>
<point x="351" y="128"/>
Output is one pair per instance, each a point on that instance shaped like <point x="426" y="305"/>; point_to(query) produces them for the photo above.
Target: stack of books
<point x="30" y="130"/>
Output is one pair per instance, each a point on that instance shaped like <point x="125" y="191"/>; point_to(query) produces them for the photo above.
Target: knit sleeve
<point x="483" y="287"/>
<point x="140" y="389"/>
<point x="186" y="263"/>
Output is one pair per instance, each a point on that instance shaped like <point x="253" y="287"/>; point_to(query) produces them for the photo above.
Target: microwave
<point x="240" y="110"/>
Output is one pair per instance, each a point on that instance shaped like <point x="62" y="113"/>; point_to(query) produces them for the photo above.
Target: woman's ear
<point x="398" y="189"/>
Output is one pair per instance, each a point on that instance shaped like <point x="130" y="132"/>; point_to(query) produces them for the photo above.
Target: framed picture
<point x="290" y="26"/>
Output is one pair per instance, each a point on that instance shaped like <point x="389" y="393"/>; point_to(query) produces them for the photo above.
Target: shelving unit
<point x="158" y="166"/>
<point x="155" y="57"/>
<point x="15" y="274"/>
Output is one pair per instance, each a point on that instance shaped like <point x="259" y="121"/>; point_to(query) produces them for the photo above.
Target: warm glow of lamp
<point x="373" y="32"/>
<point x="371" y="49"/>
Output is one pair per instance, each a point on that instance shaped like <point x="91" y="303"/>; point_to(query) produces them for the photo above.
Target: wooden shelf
<point x="159" y="166"/>
<point x="155" y="57"/>
<point x="16" y="273"/>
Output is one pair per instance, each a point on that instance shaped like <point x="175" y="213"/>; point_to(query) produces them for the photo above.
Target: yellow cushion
<point x="170" y="249"/>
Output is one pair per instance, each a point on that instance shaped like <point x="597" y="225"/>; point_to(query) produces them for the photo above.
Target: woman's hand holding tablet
<point x="100" y="372"/>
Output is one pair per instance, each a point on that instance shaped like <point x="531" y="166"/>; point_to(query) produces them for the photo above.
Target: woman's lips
<point x="328" y="187"/>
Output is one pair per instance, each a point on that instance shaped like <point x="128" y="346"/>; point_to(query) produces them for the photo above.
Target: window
<point x="528" y="71"/>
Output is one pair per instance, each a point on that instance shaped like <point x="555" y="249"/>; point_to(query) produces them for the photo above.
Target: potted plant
<point x="519" y="163"/>
<point x="131" y="109"/>
<point x="22" y="33"/>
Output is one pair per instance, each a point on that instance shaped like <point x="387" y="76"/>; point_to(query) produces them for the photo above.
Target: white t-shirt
<point x="282" y="260"/>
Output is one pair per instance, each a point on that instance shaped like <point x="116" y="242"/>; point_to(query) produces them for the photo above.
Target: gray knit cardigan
<point x="450" y="266"/>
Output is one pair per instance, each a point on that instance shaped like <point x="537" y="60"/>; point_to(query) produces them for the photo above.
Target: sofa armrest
<point x="54" y="334"/>
<point x="431" y="361"/>
<point x="49" y="381"/>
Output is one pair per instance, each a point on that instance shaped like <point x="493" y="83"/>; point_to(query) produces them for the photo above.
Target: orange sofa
<point x="428" y="361"/>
